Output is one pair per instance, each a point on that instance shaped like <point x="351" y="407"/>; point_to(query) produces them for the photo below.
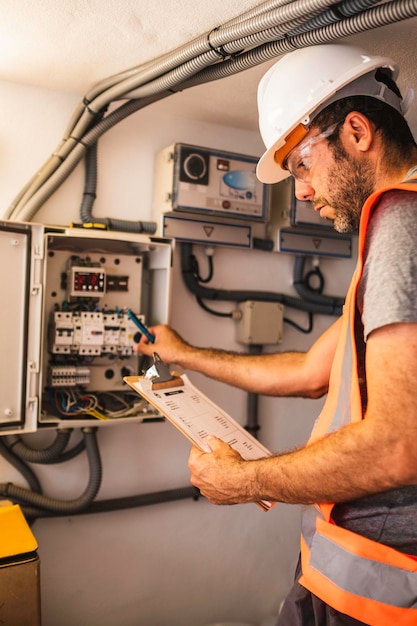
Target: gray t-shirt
<point x="388" y="294"/>
<point x="388" y="289"/>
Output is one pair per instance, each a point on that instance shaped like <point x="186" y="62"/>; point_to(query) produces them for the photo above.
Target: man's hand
<point x="221" y="475"/>
<point x="168" y="344"/>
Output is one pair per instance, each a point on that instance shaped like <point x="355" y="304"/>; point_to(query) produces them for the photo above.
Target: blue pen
<point x="141" y="326"/>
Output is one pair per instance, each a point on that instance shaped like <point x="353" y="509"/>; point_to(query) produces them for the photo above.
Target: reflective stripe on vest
<point x="364" y="579"/>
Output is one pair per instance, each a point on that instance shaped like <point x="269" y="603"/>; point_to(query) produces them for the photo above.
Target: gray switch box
<point x="259" y="323"/>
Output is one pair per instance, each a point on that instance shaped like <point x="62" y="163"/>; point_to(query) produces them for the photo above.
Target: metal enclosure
<point x="201" y="180"/>
<point x="65" y="333"/>
<point x="296" y="228"/>
<point x="209" y="196"/>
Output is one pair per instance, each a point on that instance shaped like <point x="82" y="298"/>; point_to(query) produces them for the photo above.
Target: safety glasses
<point x="300" y="159"/>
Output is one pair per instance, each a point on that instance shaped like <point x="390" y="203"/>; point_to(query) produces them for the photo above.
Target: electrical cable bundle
<point x="74" y="402"/>
<point x="269" y="30"/>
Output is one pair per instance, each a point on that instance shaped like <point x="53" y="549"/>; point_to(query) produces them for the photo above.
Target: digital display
<point x="87" y="282"/>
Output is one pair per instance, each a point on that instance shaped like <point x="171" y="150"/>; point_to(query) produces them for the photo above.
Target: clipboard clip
<point x="161" y="376"/>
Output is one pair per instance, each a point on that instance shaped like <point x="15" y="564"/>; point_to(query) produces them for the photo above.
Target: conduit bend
<point x="32" y="455"/>
<point x="54" y="505"/>
<point x="324" y="305"/>
<point x="27" y="473"/>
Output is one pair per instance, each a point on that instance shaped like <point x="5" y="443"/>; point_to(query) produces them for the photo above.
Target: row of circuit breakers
<point x="91" y="333"/>
<point x="214" y="197"/>
<point x="68" y="337"/>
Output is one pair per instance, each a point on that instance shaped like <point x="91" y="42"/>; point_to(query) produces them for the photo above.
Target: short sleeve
<point x="387" y="291"/>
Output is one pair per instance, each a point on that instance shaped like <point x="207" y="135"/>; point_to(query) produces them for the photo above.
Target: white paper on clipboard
<point x="197" y="417"/>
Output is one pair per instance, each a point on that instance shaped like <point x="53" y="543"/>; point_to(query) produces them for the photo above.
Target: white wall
<point x="175" y="564"/>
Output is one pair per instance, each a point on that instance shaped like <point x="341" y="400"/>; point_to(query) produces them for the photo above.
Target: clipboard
<point x="197" y="417"/>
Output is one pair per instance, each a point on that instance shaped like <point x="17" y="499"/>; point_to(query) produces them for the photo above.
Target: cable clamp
<point x="161" y="376"/>
<point x="219" y="50"/>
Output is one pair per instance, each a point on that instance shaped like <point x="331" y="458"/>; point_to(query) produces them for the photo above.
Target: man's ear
<point x="359" y="131"/>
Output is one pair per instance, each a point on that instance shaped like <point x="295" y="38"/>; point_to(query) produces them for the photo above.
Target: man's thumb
<point x="214" y="443"/>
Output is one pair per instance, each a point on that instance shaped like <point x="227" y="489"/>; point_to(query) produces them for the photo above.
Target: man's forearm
<point x="353" y="462"/>
<point x="267" y="374"/>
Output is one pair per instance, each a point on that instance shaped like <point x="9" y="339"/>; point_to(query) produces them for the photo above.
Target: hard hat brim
<point x="350" y="82"/>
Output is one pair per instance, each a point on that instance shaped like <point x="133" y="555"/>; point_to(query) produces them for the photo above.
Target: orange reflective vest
<point x="366" y="580"/>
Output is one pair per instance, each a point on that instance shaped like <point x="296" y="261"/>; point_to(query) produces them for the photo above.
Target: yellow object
<point x="20" y="601"/>
<point x="96" y="225"/>
<point x="15" y="534"/>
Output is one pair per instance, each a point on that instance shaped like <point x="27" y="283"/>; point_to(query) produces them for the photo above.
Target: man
<point x="332" y="117"/>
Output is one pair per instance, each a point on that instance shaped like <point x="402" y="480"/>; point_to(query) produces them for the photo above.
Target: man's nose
<point x="303" y="190"/>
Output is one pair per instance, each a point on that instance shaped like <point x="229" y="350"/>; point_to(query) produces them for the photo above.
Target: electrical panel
<point x="296" y="228"/>
<point x="209" y="196"/>
<point x="286" y="210"/>
<point x="66" y="336"/>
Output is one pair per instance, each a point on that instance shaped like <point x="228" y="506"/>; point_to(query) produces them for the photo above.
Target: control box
<point x="208" y="182"/>
<point x="295" y="227"/>
<point x="259" y="323"/>
<point x="66" y="336"/>
<point x="286" y="210"/>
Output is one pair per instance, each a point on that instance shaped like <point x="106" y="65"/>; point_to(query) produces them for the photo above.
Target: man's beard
<point x="354" y="181"/>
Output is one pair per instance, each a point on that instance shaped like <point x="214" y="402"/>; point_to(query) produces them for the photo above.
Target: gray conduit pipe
<point x="45" y="455"/>
<point x="89" y="196"/>
<point x="204" y="50"/>
<point x="390" y="15"/>
<point x="27" y="473"/>
<point x="46" y="186"/>
<point x="390" y="12"/>
<point x="28" y="214"/>
<point x="65" y="507"/>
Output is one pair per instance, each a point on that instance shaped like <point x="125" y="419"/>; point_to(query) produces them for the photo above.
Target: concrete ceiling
<point x="71" y="45"/>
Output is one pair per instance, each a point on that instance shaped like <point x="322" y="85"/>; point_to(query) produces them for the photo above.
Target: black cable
<point x="252" y="421"/>
<point x="310" y="295"/>
<point x="324" y="305"/>
<point x="307" y="330"/>
<point x="212" y="311"/>
<point x="196" y="269"/>
<point x="120" y="504"/>
<point x="314" y="273"/>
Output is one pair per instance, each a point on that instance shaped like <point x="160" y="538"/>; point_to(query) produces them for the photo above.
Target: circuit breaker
<point x="66" y="336"/>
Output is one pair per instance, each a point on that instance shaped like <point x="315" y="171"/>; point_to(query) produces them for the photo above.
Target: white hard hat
<point x="304" y="82"/>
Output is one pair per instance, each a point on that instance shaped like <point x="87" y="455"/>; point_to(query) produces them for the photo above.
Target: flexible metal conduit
<point x="27" y="473"/>
<point x="54" y="505"/>
<point x="373" y="18"/>
<point x="267" y="30"/>
<point x="34" y="508"/>
<point x="50" y="453"/>
<point x="54" y="453"/>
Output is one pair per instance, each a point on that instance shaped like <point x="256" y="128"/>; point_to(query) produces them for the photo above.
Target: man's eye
<point x="301" y="166"/>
